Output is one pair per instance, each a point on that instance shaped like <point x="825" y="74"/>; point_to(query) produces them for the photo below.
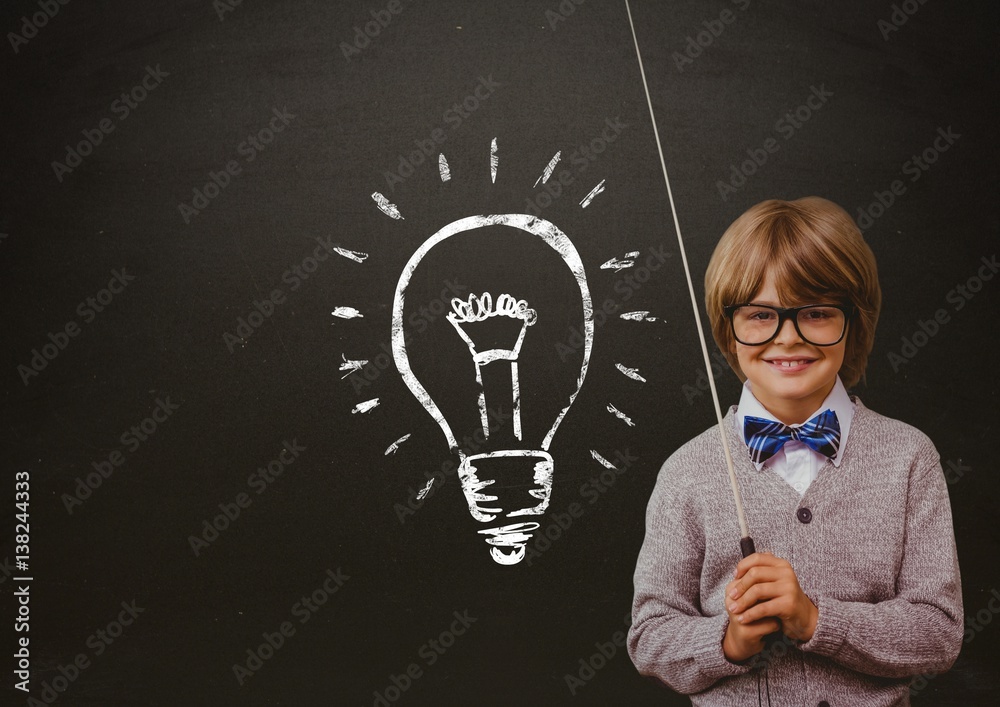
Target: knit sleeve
<point x="670" y="638"/>
<point x="920" y="629"/>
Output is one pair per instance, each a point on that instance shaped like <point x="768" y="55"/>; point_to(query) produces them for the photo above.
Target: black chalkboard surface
<point x="235" y="493"/>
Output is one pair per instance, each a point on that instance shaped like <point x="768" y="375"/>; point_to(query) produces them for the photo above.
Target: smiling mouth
<point x="789" y="363"/>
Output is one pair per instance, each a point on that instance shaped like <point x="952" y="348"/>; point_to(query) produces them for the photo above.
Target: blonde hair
<point x="815" y="253"/>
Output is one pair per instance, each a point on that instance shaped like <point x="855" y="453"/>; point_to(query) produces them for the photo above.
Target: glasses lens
<point x="754" y="325"/>
<point x="818" y="325"/>
<point x="821" y="325"/>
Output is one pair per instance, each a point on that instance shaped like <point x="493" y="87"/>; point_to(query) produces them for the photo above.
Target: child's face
<point x="791" y="393"/>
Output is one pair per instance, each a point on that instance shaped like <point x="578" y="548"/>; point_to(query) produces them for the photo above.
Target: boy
<point x="855" y="586"/>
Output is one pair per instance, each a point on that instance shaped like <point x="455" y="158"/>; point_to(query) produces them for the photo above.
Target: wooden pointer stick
<point x="746" y="542"/>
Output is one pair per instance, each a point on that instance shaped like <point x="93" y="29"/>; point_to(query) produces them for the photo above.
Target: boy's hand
<point x="766" y="586"/>
<point x="745" y="640"/>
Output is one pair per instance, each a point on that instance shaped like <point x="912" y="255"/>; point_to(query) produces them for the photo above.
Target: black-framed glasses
<point x="816" y="324"/>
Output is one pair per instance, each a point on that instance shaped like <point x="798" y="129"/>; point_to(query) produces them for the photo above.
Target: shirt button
<point x="804" y="515"/>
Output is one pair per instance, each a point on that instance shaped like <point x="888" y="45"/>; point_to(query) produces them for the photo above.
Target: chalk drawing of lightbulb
<point x="510" y="530"/>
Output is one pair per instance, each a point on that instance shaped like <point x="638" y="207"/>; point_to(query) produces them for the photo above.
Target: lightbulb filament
<point x="479" y="308"/>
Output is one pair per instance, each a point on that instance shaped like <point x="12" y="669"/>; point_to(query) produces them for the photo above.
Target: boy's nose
<point x="787" y="334"/>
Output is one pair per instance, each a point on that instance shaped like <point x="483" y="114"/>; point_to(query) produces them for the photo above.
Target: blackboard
<point x="218" y="514"/>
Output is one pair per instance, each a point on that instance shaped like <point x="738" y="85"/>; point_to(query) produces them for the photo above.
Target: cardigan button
<point x="804" y="515"/>
<point x="823" y="703"/>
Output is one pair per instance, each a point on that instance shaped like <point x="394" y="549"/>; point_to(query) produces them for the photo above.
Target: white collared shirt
<point x="796" y="462"/>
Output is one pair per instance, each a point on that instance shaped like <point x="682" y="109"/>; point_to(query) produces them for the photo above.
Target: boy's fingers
<point x="762" y="591"/>
<point x="757" y="559"/>
<point x="764" y="627"/>
<point x="729" y="588"/>
<point x="754" y="575"/>
<point x="758" y="611"/>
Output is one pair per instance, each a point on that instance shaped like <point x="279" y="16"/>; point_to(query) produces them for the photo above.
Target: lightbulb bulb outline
<point x="555" y="239"/>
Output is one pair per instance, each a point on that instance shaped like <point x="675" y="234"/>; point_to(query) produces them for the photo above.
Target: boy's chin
<point x="788" y="388"/>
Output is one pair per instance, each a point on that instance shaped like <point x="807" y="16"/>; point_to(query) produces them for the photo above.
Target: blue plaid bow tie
<point x="765" y="438"/>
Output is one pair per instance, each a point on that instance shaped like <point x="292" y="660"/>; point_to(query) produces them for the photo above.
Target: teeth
<point x="789" y="364"/>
